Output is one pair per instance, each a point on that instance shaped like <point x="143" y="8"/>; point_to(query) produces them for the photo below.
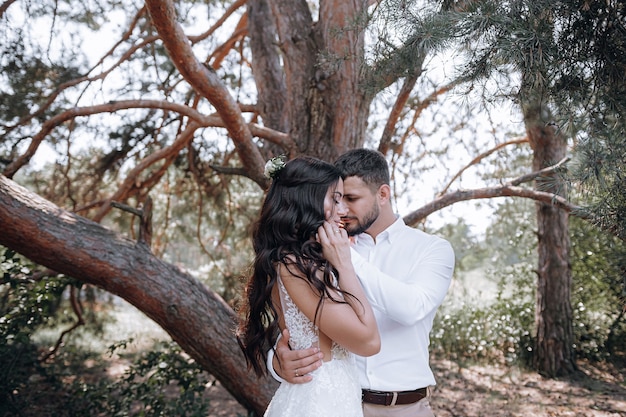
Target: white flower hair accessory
<point x="273" y="166"/>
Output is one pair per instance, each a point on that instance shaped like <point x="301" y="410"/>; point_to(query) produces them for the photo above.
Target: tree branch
<point x="80" y="248"/>
<point x="78" y="311"/>
<point x="279" y="138"/>
<point x="396" y="111"/>
<point x="218" y="55"/>
<point x="480" y="158"/>
<point x="545" y="171"/>
<point x="130" y="181"/>
<point x="4" y="6"/>
<point x="227" y="14"/>
<point x="507" y="190"/>
<point x="41" y="109"/>
<point x="421" y="106"/>
<point x="207" y="84"/>
<point x="145" y="219"/>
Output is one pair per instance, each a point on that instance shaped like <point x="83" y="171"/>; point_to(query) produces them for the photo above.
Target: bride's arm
<point x="350" y="324"/>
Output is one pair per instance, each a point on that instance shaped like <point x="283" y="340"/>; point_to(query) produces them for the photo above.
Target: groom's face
<point x="362" y="204"/>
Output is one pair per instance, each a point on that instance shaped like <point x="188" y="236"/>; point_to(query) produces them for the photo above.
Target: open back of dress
<point x="335" y="390"/>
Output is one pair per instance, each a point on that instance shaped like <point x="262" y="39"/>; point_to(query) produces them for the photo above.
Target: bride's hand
<point x="335" y="244"/>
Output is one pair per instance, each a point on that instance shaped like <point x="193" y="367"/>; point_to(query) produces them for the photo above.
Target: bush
<point x="163" y="381"/>
<point x="503" y="328"/>
<point x="500" y="330"/>
<point x="25" y="305"/>
<point x="160" y="382"/>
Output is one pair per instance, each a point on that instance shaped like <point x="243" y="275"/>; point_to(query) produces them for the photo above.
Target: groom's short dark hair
<point x="367" y="164"/>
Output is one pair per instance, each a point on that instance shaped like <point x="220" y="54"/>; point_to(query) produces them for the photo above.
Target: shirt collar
<point x="392" y="230"/>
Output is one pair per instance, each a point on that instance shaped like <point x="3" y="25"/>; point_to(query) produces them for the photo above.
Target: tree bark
<point x="554" y="345"/>
<point x="554" y="353"/>
<point x="194" y="316"/>
<point x="327" y="107"/>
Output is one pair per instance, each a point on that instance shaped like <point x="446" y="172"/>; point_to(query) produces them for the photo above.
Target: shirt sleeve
<point x="410" y="298"/>
<point x="270" y="362"/>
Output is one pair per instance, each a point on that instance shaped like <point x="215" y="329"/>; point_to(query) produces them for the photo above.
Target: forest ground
<point x="495" y="391"/>
<point x="463" y="389"/>
<point x="487" y="390"/>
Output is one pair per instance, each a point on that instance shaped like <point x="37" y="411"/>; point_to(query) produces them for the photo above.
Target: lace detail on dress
<point x="302" y="332"/>
<point x="339" y="352"/>
<point x="335" y="390"/>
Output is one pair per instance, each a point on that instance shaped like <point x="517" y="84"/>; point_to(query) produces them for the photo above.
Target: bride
<point x="309" y="289"/>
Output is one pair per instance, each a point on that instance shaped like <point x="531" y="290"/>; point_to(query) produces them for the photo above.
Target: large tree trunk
<point x="193" y="315"/>
<point x="554" y="354"/>
<point x="326" y="104"/>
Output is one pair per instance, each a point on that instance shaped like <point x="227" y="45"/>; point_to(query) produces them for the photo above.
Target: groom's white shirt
<point x="418" y="271"/>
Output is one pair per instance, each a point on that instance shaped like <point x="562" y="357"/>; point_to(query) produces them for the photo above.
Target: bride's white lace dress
<point x="335" y="389"/>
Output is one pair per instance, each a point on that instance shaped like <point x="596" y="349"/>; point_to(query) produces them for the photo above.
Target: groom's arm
<point x="293" y="366"/>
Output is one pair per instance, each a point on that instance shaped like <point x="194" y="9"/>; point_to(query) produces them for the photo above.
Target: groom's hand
<point x="294" y="366"/>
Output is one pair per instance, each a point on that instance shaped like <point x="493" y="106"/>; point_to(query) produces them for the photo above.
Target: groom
<point x="406" y="274"/>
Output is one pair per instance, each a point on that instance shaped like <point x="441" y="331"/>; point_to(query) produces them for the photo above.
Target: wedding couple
<point x="351" y="289"/>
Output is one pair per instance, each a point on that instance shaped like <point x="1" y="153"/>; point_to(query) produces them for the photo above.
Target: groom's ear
<point x="384" y="194"/>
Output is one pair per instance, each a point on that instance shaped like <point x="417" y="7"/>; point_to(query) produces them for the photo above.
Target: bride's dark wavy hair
<point x="291" y="213"/>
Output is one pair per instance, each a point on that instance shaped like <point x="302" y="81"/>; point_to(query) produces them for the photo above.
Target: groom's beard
<point x="362" y="224"/>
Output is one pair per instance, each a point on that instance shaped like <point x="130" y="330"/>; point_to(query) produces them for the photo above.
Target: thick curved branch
<point x="207" y="84"/>
<point x="509" y="189"/>
<point x="4" y="6"/>
<point x="80" y="248"/>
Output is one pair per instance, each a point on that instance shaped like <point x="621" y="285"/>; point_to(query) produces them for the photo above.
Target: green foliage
<point x="501" y="330"/>
<point x="600" y="169"/>
<point x="161" y="382"/>
<point x="598" y="292"/>
<point x="25" y="305"/>
<point x="511" y="237"/>
<point x="25" y="80"/>
<point x="567" y="55"/>
<point x="468" y="252"/>
<point x="478" y="327"/>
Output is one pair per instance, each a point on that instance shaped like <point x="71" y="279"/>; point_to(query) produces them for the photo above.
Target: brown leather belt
<point x="393" y="397"/>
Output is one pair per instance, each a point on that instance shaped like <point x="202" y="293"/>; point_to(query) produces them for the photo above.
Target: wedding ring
<point x="297" y="372"/>
<point x="336" y="230"/>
